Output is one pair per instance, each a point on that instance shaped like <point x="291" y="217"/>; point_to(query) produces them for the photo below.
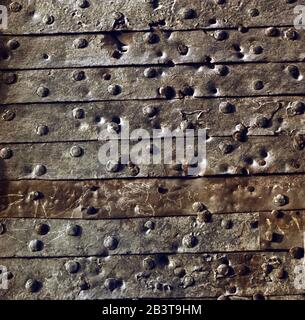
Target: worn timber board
<point x="66" y="16"/>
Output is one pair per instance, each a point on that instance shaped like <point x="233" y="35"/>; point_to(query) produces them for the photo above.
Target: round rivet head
<point x="42" y="130"/>
<point x="76" y="151"/>
<point x="221" y="35"/>
<point x="72" y="266"/>
<point x="151" y="38"/>
<point x="150" y="73"/>
<point x="9" y="78"/>
<point x="262" y="122"/>
<point x="167" y="92"/>
<point x="226" y="148"/>
<point x="227" y="223"/>
<point x="48" y="19"/>
<point x="280" y="200"/>
<point x="198" y="206"/>
<point x="78" y="113"/>
<point x="13" y="44"/>
<point x="112" y="166"/>
<point x="291" y="34"/>
<point x="296" y="252"/>
<point x="2" y="228"/>
<point x="257" y="49"/>
<point x="42" y="229"/>
<point x="183" y="49"/>
<point x="272" y="32"/>
<point x="35" y="245"/>
<point x="150" y="111"/>
<point x="80" y="43"/>
<point x="32" y="285"/>
<point x="6" y="153"/>
<point x="254" y="12"/>
<point x="15" y="6"/>
<point x="73" y="230"/>
<point x="114" y="89"/>
<point x="91" y="210"/>
<point x="39" y="170"/>
<point x="222" y="70"/>
<point x="293" y="71"/>
<point x="149" y="263"/>
<point x="111" y="283"/>
<point x="258" y="85"/>
<point x="223" y="270"/>
<point x="111" y="243"/>
<point x="78" y="75"/>
<point x="226" y="107"/>
<point x="8" y="115"/>
<point x="83" y="4"/>
<point x="296" y="108"/>
<point x="42" y="92"/>
<point x="189" y="241"/>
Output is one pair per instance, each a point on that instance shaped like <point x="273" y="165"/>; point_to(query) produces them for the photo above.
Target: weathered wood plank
<point x="89" y="160"/>
<point x="149" y="197"/>
<point x="133" y="48"/>
<point x="77" y="122"/>
<point x="137" y="83"/>
<point x="187" y="275"/>
<point x="51" y="238"/>
<point x="66" y="16"/>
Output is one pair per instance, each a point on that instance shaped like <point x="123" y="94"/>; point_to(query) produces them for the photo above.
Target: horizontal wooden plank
<point x="77" y="122"/>
<point x="137" y="83"/>
<point x="134" y="48"/>
<point x="149" y="197"/>
<point x="66" y="16"/>
<point x="51" y="238"/>
<point x="88" y="160"/>
<point x="164" y="276"/>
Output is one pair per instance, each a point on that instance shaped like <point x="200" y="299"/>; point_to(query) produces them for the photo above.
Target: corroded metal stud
<point x="39" y="170"/>
<point x="188" y="13"/>
<point x="226" y="148"/>
<point x="293" y="71"/>
<point x="299" y="141"/>
<point x="226" y="107"/>
<point x="112" y="283"/>
<point x="114" y="89"/>
<point x="223" y="270"/>
<point x="32" y="285"/>
<point x="2" y="228"/>
<point x="80" y="43"/>
<point x="221" y="35"/>
<point x="35" y="245"/>
<point x="73" y="230"/>
<point x="83" y="4"/>
<point x="280" y="200"/>
<point x="42" y="130"/>
<point x="262" y="122"/>
<point x="72" y="266"/>
<point x="149" y="263"/>
<point x="198" y="207"/>
<point x="189" y="241"/>
<point x="42" y="92"/>
<point x="258" y="296"/>
<point x="112" y="166"/>
<point x="48" y="19"/>
<point x="150" y="111"/>
<point x="296" y="252"/>
<point x="91" y="210"/>
<point x="222" y="70"/>
<point x="151" y="38"/>
<point x="167" y="92"/>
<point x="150" y="73"/>
<point x="78" y="75"/>
<point x="76" y="151"/>
<point x="111" y="242"/>
<point x="257" y="49"/>
<point x="78" y="113"/>
<point x="8" y="115"/>
<point x="149" y="225"/>
<point x="13" y="44"/>
<point x="42" y="229"/>
<point x="291" y="34"/>
<point x="6" y="153"/>
<point x="296" y="108"/>
<point x="272" y="32"/>
<point x="183" y="49"/>
<point x="258" y="85"/>
<point x="15" y="6"/>
<point x="9" y="78"/>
